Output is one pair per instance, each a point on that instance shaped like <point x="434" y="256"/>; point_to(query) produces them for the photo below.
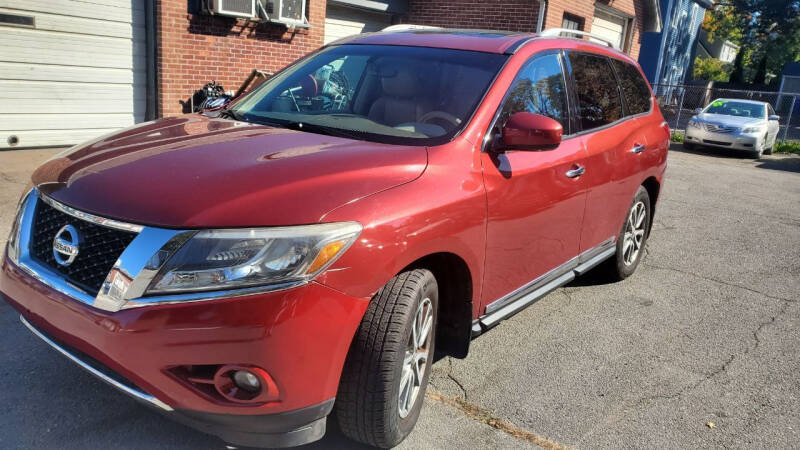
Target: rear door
<point x="614" y="144"/>
<point x="534" y="208"/>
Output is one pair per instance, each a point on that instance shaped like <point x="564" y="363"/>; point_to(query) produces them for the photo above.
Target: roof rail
<point x="556" y="32"/>
<point x="409" y="27"/>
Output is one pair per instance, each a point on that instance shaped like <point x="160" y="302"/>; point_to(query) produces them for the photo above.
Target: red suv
<point x="304" y="252"/>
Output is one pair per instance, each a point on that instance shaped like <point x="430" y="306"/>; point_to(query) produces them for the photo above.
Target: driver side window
<point x="539" y="89"/>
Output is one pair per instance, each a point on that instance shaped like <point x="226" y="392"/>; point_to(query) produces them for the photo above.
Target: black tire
<point x="688" y="145"/>
<point x="367" y="404"/>
<point x="616" y="266"/>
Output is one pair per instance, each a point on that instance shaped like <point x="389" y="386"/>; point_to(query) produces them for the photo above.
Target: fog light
<point x="247" y="381"/>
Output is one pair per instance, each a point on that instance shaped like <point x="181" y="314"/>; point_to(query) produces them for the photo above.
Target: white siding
<point x="79" y="73"/>
<point x="342" y="22"/>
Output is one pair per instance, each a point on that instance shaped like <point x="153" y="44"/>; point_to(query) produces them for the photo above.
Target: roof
<point x="476" y="40"/>
<point x="792" y="69"/>
<point x="738" y="100"/>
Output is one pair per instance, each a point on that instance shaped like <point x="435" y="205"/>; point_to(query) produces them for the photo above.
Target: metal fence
<point x="679" y="102"/>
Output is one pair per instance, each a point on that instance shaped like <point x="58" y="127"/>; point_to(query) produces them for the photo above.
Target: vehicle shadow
<point x="595" y="277"/>
<point x="708" y="151"/>
<point x="786" y="164"/>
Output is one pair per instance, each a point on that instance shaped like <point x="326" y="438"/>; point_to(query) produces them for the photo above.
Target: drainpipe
<point x="540" y="21"/>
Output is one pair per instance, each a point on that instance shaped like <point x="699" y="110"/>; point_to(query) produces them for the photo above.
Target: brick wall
<point x="194" y="49"/>
<point x="513" y="15"/>
<point x="516" y="15"/>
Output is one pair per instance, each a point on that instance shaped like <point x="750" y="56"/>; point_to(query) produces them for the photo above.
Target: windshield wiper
<point x="322" y="129"/>
<point x="231" y="114"/>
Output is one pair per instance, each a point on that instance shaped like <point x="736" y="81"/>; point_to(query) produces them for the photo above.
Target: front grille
<point x="709" y="141"/>
<point x="99" y="249"/>
<point x="720" y="128"/>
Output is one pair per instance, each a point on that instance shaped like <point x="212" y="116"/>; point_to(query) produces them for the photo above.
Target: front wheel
<point x="387" y="368"/>
<point x="632" y="238"/>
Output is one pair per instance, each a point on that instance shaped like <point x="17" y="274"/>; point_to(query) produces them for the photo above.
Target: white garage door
<point x="341" y="22"/>
<point x="78" y="72"/>
<point x="609" y="26"/>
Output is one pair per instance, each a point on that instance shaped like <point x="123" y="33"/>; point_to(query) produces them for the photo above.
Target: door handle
<point x="576" y="172"/>
<point x="638" y="148"/>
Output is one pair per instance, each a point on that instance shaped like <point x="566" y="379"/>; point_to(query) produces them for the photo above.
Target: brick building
<point x="77" y="69"/>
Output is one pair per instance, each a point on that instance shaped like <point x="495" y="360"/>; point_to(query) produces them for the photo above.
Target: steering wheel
<point x="446" y="116"/>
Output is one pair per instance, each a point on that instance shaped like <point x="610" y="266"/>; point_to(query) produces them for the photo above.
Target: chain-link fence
<point x="678" y="105"/>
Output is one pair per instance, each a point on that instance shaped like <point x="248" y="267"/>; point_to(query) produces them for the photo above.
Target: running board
<point x="490" y="320"/>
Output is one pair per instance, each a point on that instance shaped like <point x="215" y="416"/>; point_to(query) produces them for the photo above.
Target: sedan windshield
<point x="382" y="93"/>
<point x="734" y="108"/>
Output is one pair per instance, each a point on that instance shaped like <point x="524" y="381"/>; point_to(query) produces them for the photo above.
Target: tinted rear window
<point x="634" y="87"/>
<point x="598" y="96"/>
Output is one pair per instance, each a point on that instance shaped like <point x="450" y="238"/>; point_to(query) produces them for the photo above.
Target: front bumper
<point x="299" y="336"/>
<point x="733" y="141"/>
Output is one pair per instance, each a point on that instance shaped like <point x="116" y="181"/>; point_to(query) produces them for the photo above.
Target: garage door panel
<point x="50" y="138"/>
<point x="37" y="47"/>
<point x="109" y="10"/>
<point x="342" y="22"/>
<point x="80" y="73"/>
<point x="68" y="24"/>
<point x="47" y="72"/>
<point x="68" y="106"/>
<point x="608" y="26"/>
<point x="31" y="122"/>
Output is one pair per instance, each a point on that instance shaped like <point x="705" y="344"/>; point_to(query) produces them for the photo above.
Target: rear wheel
<point x="387" y="368"/>
<point x="632" y="238"/>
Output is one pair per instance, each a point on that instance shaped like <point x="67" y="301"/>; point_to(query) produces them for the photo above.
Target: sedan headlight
<point x="757" y="129"/>
<point x="236" y="258"/>
<point x="694" y="123"/>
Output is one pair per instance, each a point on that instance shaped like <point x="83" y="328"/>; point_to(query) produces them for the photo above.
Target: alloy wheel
<point x="634" y="233"/>
<point x="416" y="357"/>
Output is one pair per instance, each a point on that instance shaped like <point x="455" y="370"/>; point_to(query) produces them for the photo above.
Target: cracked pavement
<point x="705" y="331"/>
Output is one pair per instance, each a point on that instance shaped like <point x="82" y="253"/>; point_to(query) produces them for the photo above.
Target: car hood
<point x="730" y="121"/>
<point x="195" y="172"/>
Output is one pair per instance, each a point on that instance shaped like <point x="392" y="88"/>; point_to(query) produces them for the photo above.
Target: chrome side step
<point x="520" y="299"/>
<point x="138" y="395"/>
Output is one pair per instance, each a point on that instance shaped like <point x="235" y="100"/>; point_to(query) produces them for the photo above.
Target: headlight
<point x="236" y="258"/>
<point x="13" y="238"/>
<point x="694" y="123"/>
<point x="749" y="130"/>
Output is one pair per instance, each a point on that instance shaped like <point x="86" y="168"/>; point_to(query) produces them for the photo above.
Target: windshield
<point x="734" y="108"/>
<point x="391" y="94"/>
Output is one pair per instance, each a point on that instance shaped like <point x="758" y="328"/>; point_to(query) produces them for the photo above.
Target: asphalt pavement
<point x="700" y="348"/>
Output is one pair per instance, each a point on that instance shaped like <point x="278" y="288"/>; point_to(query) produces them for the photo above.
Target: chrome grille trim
<point x="724" y="129"/>
<point x="110" y="223"/>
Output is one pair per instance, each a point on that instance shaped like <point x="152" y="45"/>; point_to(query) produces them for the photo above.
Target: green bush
<point x="676" y="136"/>
<point x="788" y="147"/>
<point x="711" y="69"/>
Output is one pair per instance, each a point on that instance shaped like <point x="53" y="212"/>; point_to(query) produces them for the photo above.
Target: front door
<point x="535" y="199"/>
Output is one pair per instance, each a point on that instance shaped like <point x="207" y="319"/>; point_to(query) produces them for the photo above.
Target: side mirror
<point x="528" y="131"/>
<point x="698" y="110"/>
<point x="775" y="117"/>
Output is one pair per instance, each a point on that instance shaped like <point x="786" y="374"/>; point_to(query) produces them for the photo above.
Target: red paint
<point x="524" y="130"/>
<point x="510" y="216"/>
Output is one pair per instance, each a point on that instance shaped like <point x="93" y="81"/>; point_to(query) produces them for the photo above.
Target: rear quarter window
<point x="634" y="87"/>
<point x="599" y="102"/>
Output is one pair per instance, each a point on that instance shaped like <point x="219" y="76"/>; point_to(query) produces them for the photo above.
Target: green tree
<point x="768" y="32"/>
<point x="710" y="69"/>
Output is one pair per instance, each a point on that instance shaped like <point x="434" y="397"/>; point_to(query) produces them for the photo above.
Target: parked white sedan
<point x="743" y="125"/>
